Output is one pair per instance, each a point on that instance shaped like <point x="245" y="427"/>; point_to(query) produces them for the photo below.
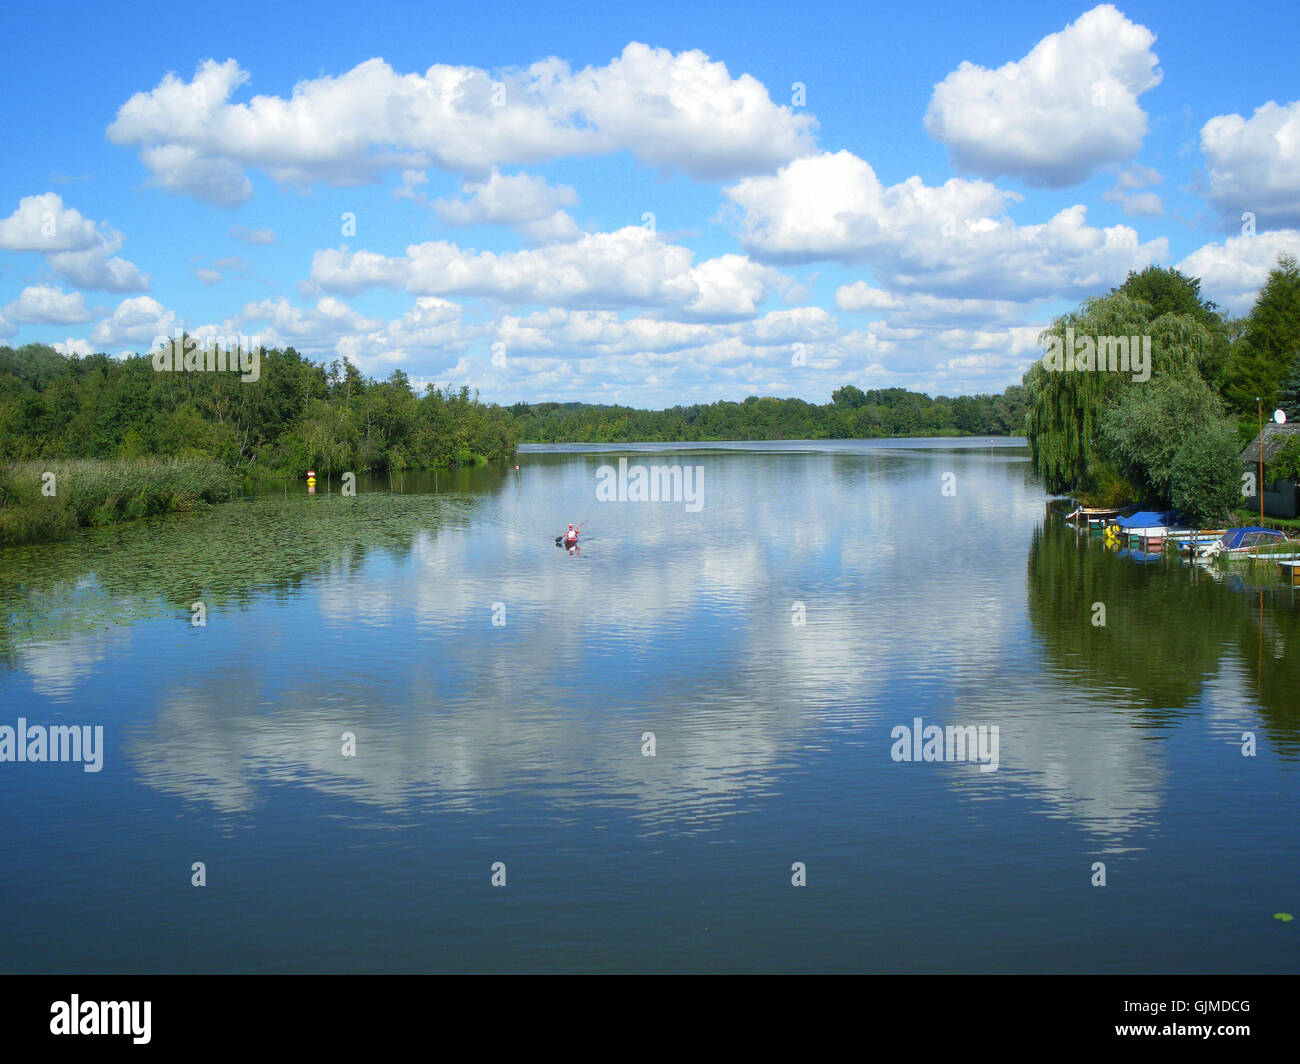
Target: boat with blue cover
<point x="1243" y="541"/>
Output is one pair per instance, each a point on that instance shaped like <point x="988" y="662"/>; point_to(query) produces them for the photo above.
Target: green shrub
<point x="1204" y="476"/>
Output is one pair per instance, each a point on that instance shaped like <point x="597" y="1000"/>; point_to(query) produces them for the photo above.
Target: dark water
<point x="522" y="743"/>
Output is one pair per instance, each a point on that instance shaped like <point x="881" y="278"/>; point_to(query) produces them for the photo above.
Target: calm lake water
<point x="522" y="742"/>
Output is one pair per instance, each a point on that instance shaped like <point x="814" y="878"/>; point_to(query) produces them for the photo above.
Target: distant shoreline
<point x="542" y="446"/>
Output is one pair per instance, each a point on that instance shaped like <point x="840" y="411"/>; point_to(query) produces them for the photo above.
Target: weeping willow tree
<point x="1067" y="404"/>
<point x="1061" y="424"/>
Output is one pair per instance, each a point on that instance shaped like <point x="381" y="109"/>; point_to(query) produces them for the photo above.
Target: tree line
<point x="851" y="414"/>
<point x="297" y="415"/>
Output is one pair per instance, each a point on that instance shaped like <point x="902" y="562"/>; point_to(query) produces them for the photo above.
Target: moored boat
<point x="1146" y="529"/>
<point x="1243" y="541"/>
<point x="1091" y="513"/>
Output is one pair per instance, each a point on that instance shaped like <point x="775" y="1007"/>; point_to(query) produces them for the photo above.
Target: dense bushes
<point x="1205" y="476"/>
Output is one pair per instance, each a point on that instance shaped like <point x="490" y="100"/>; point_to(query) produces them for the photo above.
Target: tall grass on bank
<point x="93" y="492"/>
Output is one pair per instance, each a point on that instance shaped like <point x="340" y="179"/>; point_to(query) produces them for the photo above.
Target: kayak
<point x="560" y="541"/>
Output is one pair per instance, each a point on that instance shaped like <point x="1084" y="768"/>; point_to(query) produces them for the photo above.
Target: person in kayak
<point x="569" y="537"/>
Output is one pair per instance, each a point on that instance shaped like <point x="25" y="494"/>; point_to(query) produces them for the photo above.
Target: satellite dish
<point x="1279" y="416"/>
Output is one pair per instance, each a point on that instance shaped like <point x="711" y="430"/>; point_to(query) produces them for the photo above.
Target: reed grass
<point x="90" y="492"/>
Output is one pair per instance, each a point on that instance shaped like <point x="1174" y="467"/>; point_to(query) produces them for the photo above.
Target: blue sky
<point x="636" y="206"/>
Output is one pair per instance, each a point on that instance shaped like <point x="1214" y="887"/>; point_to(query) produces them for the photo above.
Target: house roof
<point x="1275" y="437"/>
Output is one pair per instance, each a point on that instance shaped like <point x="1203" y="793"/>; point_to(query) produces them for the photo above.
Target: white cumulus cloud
<point x="316" y="327"/>
<point x="522" y="201"/>
<point x="679" y="111"/>
<point x="1066" y="108"/>
<point x="99" y="269"/>
<point x="1254" y="163"/>
<point x="75" y="248"/>
<point x="47" y="305"/>
<point x="953" y="239"/>
<point x="43" y="223"/>
<point x="630" y="266"/>
<point x="136" y="322"/>
<point x="861" y="296"/>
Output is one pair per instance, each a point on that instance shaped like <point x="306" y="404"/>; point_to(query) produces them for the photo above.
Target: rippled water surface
<point x="522" y="742"/>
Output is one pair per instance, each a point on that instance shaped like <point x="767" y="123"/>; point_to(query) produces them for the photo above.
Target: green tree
<point x="849" y="396"/>
<point x="1205" y="476"/>
<point x="1288" y="396"/>
<point x="1270" y="342"/>
<point x="1142" y="432"/>
<point x="1167" y="291"/>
